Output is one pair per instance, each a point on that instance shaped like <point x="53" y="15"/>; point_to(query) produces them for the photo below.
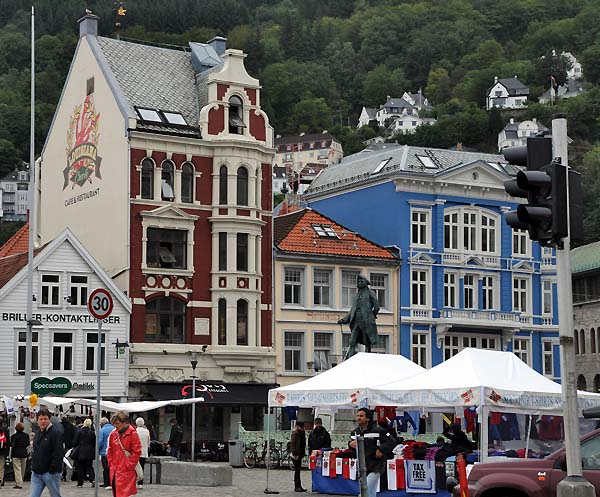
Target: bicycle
<point x="252" y="457"/>
<point x="285" y="456"/>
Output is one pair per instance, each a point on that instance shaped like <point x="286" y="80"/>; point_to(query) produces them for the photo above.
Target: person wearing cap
<point x="362" y="317"/>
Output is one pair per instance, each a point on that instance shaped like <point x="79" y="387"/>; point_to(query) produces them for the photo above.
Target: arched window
<point x="168" y="173"/>
<point x="581" y="383"/>
<point x="242" y="252"/>
<point x="576" y="337"/>
<point x="165" y="320"/>
<point x="187" y="183"/>
<point x="582" y="341"/>
<point x="222" y="322"/>
<point x="242" y="186"/>
<point x="592" y="341"/>
<point x="236" y="115"/>
<point x="242" y="322"/>
<point x="597" y="383"/>
<point x="223" y="185"/>
<point x="147" y="178"/>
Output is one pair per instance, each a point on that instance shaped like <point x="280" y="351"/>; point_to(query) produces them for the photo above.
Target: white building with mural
<point x="65" y="335"/>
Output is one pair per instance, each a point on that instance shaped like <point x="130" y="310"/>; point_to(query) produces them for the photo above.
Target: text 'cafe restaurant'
<point x="218" y="417"/>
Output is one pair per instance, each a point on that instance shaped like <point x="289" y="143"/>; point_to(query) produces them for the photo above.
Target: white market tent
<point x="347" y="384"/>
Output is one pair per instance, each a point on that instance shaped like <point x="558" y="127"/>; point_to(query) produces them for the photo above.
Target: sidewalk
<point x="246" y="483"/>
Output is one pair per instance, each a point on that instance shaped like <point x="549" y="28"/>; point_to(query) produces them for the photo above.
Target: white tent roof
<point x="346" y="384"/>
<point x="478" y="377"/>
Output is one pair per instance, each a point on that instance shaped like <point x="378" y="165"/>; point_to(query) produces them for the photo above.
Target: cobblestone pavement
<point x="246" y="483"/>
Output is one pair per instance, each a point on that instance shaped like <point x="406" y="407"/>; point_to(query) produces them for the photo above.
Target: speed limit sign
<point x="100" y="304"/>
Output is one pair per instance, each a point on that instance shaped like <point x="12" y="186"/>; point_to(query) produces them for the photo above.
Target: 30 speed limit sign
<point x="100" y="304"/>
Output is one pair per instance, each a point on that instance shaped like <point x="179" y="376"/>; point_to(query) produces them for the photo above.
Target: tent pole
<point x="268" y="457"/>
<point x="528" y="436"/>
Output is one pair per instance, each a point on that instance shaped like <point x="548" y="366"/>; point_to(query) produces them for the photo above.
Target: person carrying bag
<point x="123" y="454"/>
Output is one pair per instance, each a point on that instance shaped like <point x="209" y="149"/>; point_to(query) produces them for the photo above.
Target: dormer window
<point x="149" y="115"/>
<point x="167" y="191"/>
<point x="236" y="113"/>
<point x="175" y="118"/>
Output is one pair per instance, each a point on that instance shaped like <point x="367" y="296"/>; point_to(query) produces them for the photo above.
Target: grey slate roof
<point x="371" y="112"/>
<point x="514" y="86"/>
<point x="359" y="168"/>
<point x="398" y="102"/>
<point x="154" y="77"/>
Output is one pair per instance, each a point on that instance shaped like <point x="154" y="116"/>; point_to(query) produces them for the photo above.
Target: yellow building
<point x="316" y="265"/>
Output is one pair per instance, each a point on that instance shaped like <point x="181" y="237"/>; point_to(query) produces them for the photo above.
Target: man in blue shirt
<point x="105" y="429"/>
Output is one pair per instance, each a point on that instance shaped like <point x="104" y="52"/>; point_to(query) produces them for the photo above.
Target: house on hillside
<point x="407" y="108"/>
<point x="367" y="115"/>
<point x="159" y="159"/>
<point x="515" y="133"/>
<point x="507" y="93"/>
<point x="317" y="261"/>
<point x="576" y="71"/>
<point x="14" y="196"/>
<point x="572" y="88"/>
<point x="467" y="279"/>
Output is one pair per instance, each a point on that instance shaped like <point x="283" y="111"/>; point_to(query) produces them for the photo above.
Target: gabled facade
<point x="507" y="93"/>
<point x="515" y="133"/>
<point x="14" y="196"/>
<point x="410" y="104"/>
<point x="65" y="337"/>
<point x="168" y="182"/>
<point x="317" y="261"/>
<point x="467" y="280"/>
<point x="572" y="88"/>
<point x="367" y="114"/>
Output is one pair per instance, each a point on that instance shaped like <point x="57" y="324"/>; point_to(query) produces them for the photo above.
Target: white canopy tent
<point x="346" y="384"/>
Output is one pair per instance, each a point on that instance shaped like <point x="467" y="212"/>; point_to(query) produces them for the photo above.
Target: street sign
<point x="100" y="304"/>
<point x="45" y="386"/>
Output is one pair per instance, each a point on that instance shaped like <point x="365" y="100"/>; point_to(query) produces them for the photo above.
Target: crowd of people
<point x="59" y="450"/>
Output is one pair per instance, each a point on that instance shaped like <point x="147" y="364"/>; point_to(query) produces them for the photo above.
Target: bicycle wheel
<point x="250" y="458"/>
<point x="275" y="459"/>
<point x="290" y="462"/>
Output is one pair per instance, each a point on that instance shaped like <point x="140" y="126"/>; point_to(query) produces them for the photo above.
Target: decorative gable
<point x="422" y="258"/>
<point x="477" y="174"/>
<point x="523" y="266"/>
<point x="169" y="212"/>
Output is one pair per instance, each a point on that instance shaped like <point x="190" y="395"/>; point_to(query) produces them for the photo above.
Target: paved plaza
<point x="246" y="483"/>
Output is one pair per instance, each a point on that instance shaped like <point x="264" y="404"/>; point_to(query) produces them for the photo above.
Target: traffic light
<point x="544" y="185"/>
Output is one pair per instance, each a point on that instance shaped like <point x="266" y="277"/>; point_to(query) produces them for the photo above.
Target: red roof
<point x="10" y="266"/>
<point x="310" y="232"/>
<point x="16" y="244"/>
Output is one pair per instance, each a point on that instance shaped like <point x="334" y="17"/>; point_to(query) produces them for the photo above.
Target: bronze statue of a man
<point x="362" y="317"/>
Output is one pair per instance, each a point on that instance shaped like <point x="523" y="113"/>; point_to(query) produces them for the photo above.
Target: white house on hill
<point x="507" y="93"/>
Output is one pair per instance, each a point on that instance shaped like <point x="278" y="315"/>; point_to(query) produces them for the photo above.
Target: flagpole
<point x="30" y="218"/>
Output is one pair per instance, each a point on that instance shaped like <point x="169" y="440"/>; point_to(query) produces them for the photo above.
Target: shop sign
<point x="201" y="389"/>
<point x="45" y="386"/>
<point x="84" y="385"/>
<point x="57" y="318"/>
<point x="420" y="476"/>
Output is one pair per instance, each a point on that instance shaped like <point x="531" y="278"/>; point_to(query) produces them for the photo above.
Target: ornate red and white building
<point x="159" y="160"/>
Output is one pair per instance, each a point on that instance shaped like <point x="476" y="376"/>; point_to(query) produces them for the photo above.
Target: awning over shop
<point x="222" y="394"/>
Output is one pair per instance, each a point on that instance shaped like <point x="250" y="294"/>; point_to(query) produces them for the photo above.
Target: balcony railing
<point x="477" y="315"/>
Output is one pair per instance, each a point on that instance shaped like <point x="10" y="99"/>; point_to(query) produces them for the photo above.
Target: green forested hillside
<point x="320" y="61"/>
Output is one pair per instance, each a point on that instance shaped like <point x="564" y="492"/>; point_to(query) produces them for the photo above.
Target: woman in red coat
<point x="122" y="468"/>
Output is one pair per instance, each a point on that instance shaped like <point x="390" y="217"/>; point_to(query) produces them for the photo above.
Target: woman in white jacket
<point x="144" y="435"/>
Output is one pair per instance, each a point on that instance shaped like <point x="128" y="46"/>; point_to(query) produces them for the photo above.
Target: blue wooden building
<point x="467" y="280"/>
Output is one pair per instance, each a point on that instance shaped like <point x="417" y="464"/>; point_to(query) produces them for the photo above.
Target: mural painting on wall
<point x="83" y="160"/>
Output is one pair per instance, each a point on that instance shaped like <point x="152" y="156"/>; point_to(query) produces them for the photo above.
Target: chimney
<point x="534" y="119"/>
<point x="495" y="79"/>
<point x="219" y="44"/>
<point x="512" y="120"/>
<point x="515" y="76"/>
<point x="459" y="146"/>
<point x="388" y="97"/>
<point x="88" y="24"/>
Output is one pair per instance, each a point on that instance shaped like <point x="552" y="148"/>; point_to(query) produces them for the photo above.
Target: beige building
<point x="316" y="265"/>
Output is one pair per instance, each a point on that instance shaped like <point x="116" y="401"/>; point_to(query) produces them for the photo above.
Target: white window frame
<point x="486" y="289"/>
<point x="325" y="289"/>
<point x="35" y="349"/>
<point x="300" y="348"/>
<point x="470" y="241"/>
<point x="473" y="287"/>
<point x="546" y="353"/>
<point x="348" y="292"/>
<point x="547" y="293"/>
<point x="454" y="343"/>
<point x="383" y="337"/>
<point x="91" y="345"/>
<point x="79" y="287"/>
<point x="420" y="349"/>
<point x="384" y="302"/>
<point x="469" y="218"/>
<point x="489" y="232"/>
<point x="328" y="351"/>
<point x="524" y="294"/>
<point x="453" y="228"/>
<point x="423" y="228"/>
<point x="50" y="286"/>
<point x="522" y="347"/>
<point x="520" y="240"/>
<point x="301" y="285"/>
<point x="420" y="283"/>
<point x="451" y="290"/>
<point x="62" y="346"/>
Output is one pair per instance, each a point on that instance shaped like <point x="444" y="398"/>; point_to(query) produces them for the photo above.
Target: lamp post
<point x="194" y="363"/>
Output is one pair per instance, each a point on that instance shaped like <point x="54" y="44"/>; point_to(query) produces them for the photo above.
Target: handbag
<point x="139" y="472"/>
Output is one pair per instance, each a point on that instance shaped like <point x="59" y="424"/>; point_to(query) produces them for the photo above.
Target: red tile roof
<point x="295" y="233"/>
<point x="16" y="244"/>
<point x="10" y="266"/>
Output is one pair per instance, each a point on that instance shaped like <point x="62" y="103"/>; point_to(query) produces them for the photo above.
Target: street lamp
<point x="194" y="363"/>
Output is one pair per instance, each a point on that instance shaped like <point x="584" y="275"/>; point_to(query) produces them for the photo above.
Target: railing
<point x="476" y="315"/>
<point x="420" y="313"/>
<point x="547" y="322"/>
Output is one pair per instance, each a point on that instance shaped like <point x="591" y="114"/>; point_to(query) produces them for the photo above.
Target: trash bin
<point x="236" y="453"/>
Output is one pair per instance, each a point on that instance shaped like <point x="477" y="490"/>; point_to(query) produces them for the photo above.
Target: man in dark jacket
<point x="175" y="439"/>
<point x="46" y="461"/>
<point x="458" y="439"/>
<point x="379" y="444"/>
<point x="319" y="437"/>
<point x="298" y="450"/>
<point x="19" y="443"/>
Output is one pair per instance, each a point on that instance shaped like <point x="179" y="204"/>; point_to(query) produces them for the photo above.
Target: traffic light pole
<point x="574" y="485"/>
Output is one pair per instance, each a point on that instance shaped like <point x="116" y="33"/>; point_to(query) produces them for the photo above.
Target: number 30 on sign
<point x="100" y="304"/>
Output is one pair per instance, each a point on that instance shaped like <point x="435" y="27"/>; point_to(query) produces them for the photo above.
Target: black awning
<point x="592" y="412"/>
<point x="222" y="394"/>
